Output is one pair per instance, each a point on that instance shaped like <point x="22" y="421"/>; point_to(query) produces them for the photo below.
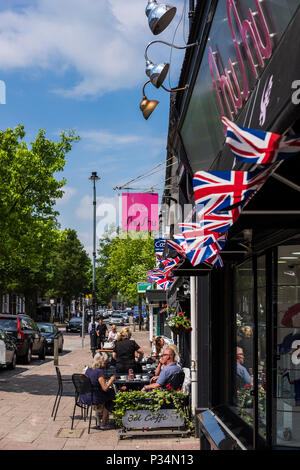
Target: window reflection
<point x="244" y="341"/>
<point x="288" y="343"/>
<point x="245" y="352"/>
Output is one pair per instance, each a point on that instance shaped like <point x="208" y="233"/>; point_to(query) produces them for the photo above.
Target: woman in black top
<point x="125" y="352"/>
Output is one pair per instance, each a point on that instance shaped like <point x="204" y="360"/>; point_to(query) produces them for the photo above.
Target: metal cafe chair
<point x="82" y="385"/>
<point x="60" y="391"/>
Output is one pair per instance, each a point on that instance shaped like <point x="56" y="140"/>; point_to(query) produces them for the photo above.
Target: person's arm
<point x="105" y="385"/>
<point x="150" y="386"/>
<point x="140" y="353"/>
<point x="158" y="369"/>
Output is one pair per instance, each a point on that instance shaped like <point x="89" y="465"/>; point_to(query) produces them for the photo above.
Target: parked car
<point x="106" y="314"/>
<point x="116" y="319"/>
<point x="74" y="325"/>
<point x="51" y="332"/>
<point x="8" y="351"/>
<point x="25" y="333"/>
<point x="125" y="316"/>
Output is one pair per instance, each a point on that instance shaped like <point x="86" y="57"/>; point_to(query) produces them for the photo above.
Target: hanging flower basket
<point x="167" y="310"/>
<point x="179" y="323"/>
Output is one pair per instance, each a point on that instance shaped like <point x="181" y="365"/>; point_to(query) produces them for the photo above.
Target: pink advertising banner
<point x="140" y="211"/>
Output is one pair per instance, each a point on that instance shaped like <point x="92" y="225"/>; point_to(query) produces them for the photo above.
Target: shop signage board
<point x="140" y="212"/>
<point x="147" y="419"/>
<point x="159" y="245"/>
<point x="144" y="286"/>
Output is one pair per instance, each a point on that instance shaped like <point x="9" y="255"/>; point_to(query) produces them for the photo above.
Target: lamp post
<point x="94" y="177"/>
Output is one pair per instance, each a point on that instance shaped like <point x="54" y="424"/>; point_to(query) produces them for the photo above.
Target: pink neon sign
<point x="226" y="85"/>
<point x="140" y="211"/>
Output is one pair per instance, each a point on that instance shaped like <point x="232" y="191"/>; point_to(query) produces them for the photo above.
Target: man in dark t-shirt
<point x="102" y="333"/>
<point x="124" y="353"/>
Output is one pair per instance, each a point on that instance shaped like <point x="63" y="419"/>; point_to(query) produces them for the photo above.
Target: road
<point x="27" y="395"/>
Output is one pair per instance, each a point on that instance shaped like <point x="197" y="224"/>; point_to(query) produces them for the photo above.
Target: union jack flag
<point x="201" y="253"/>
<point x="177" y="245"/>
<point x="170" y="263"/>
<point x="259" y="147"/>
<point x="220" y="190"/>
<point x="165" y="283"/>
<point x="215" y="260"/>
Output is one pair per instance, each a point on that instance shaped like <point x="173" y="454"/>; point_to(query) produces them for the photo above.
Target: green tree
<point x="103" y="285"/>
<point x="130" y="259"/>
<point x="29" y="189"/>
<point x="69" y="268"/>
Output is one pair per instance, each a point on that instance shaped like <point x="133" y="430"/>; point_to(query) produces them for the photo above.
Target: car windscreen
<point x="9" y="324"/>
<point x="117" y="316"/>
<point x="75" y="320"/>
<point x="45" y="328"/>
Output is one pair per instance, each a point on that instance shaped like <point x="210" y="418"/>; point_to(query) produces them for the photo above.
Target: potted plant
<point x="146" y="408"/>
<point x="179" y="323"/>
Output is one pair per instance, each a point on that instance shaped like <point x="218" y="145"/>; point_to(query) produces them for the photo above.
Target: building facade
<point x="246" y="314"/>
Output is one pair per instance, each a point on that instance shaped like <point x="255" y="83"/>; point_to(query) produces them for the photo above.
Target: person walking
<point x="102" y="332"/>
<point x="90" y="329"/>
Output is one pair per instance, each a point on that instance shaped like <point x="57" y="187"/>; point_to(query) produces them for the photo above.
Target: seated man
<point x="168" y="369"/>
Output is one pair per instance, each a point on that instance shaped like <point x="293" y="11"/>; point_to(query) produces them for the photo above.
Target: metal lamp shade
<point x="159" y="16"/>
<point x="157" y="73"/>
<point x="148" y="106"/>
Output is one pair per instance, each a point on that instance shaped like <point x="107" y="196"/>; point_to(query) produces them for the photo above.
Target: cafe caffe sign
<point x="147" y="419"/>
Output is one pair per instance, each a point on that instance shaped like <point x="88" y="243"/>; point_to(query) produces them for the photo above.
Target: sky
<point x="79" y="64"/>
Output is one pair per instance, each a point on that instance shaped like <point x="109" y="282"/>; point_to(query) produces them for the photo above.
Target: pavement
<point x="27" y="396"/>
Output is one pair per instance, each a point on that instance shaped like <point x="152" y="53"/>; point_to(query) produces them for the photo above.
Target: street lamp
<point x="94" y="177"/>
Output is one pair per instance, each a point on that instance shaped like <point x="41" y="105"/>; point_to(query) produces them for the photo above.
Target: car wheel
<point x="12" y="364"/>
<point x="42" y="354"/>
<point x="27" y="358"/>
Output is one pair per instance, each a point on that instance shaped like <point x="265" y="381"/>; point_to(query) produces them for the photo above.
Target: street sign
<point x="159" y="245"/>
<point x="144" y="286"/>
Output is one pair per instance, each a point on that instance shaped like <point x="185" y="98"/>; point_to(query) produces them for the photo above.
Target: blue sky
<point x="79" y="64"/>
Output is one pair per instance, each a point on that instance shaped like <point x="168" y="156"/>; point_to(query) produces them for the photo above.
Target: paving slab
<point x="27" y="396"/>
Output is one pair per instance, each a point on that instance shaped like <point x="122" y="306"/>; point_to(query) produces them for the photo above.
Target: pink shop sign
<point x="139" y="211"/>
<point x="231" y="92"/>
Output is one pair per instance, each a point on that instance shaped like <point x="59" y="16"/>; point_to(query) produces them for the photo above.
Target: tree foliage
<point x="69" y="268"/>
<point x="29" y="188"/>
<point x="130" y="259"/>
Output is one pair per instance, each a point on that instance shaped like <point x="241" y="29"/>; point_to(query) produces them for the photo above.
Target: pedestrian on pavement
<point x="125" y="352"/>
<point x="102" y="332"/>
<point x="103" y="395"/>
<point x="90" y="333"/>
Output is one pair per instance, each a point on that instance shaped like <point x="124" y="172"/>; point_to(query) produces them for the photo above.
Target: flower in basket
<point x="168" y="310"/>
<point x="179" y="321"/>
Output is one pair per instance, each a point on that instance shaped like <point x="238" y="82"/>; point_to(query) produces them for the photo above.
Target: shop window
<point x="243" y="353"/>
<point x="261" y="342"/>
<point x="287" y="402"/>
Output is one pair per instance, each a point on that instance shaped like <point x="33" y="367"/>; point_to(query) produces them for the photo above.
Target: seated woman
<point x="102" y="394"/>
<point x="112" y="335"/>
<point x="125" y="351"/>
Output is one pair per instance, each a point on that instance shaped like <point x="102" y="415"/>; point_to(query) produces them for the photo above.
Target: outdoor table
<point x="135" y="384"/>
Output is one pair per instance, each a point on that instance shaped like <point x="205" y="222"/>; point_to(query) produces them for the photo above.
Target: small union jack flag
<point x="165" y="283"/>
<point x="215" y="260"/>
<point x="259" y="147"/>
<point x="177" y="244"/>
<point x="220" y="190"/>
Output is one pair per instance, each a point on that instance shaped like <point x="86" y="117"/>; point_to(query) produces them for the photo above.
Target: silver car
<point x="116" y="319"/>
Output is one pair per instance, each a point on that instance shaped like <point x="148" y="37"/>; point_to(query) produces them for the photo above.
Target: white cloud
<point x="102" y="40"/>
<point x="69" y="192"/>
